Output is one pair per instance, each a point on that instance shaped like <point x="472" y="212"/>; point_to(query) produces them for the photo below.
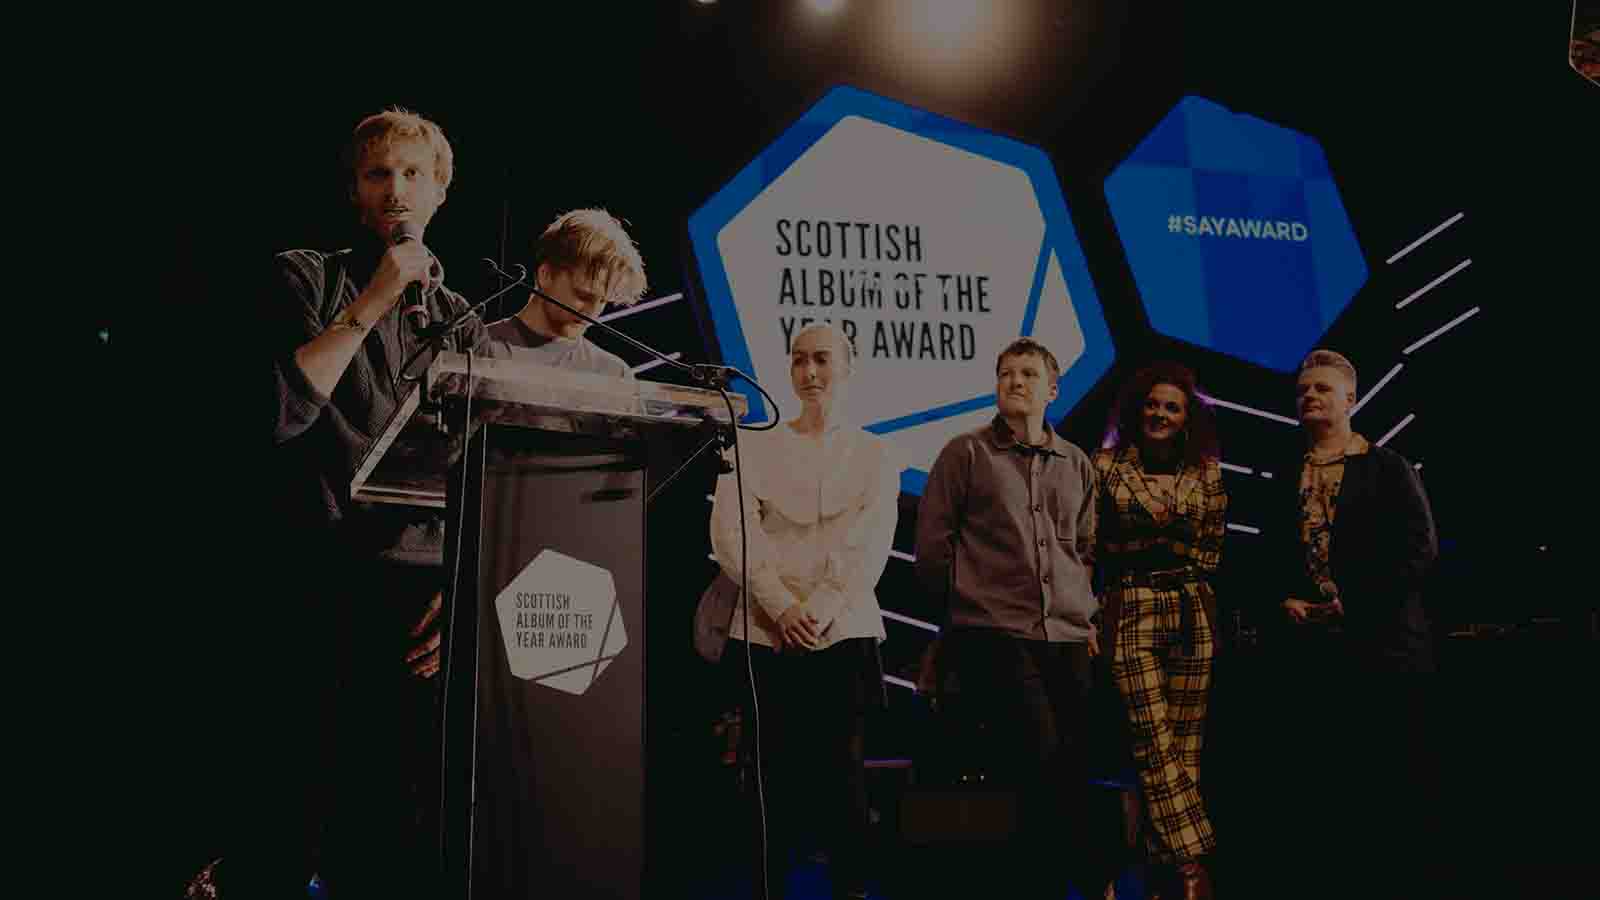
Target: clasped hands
<point x="1301" y="612"/>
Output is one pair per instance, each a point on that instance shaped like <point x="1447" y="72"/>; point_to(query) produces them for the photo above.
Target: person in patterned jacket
<point x="1161" y="512"/>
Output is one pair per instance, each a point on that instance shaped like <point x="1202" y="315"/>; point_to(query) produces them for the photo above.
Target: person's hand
<point x="1298" y="610"/>
<point x="401" y="264"/>
<point x="1094" y="646"/>
<point x="798" y="628"/>
<point x="424" y="657"/>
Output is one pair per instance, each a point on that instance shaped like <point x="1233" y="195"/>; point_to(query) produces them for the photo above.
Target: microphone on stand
<point x="413" y="308"/>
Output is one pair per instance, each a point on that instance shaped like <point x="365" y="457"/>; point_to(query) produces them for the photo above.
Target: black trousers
<point x="378" y="795"/>
<point x="1041" y="709"/>
<point x="813" y="710"/>
<point x="1351" y="771"/>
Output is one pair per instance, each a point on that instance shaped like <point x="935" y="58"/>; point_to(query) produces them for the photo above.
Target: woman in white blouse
<point x="821" y="502"/>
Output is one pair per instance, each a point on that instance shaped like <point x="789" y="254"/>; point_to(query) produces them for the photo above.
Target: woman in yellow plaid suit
<point x="1161" y="524"/>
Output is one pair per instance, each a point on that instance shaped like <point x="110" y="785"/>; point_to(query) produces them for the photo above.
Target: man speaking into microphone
<point x="369" y="577"/>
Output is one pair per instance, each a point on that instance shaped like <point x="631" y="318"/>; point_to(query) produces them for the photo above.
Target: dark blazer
<point x="1383" y="549"/>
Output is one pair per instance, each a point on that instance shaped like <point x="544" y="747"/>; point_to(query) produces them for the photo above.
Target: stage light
<point x="945" y="24"/>
<point x="825" y="7"/>
<point x="958" y="49"/>
<point x="939" y="28"/>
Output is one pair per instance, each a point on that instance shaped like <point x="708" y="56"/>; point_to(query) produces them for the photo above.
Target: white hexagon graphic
<point x="932" y="242"/>
<point x="560" y="621"/>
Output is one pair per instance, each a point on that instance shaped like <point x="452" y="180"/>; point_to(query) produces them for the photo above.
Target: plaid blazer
<point x="1130" y="535"/>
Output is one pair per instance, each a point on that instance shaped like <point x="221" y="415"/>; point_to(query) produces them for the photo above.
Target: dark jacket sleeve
<point x="294" y="315"/>
<point x="1411" y="541"/>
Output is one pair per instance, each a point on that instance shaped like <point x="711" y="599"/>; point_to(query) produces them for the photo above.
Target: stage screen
<point x="931" y="243"/>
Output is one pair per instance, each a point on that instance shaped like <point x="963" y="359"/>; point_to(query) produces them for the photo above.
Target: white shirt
<point x="821" y="517"/>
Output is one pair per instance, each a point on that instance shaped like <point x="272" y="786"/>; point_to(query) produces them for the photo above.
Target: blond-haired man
<point x="1351" y="542"/>
<point x="585" y="259"/>
<point x="372" y="575"/>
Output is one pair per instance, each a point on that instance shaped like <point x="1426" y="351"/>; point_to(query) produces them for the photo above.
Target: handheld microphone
<point x="413" y="309"/>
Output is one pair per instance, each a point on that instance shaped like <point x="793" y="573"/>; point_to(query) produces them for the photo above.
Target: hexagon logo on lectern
<point x="930" y="242"/>
<point x="1236" y="234"/>
<point x="560" y="621"/>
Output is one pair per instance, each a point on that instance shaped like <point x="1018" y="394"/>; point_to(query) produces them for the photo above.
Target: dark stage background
<point x="1424" y="109"/>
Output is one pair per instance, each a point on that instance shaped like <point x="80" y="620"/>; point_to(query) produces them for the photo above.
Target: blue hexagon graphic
<point x="991" y="232"/>
<point x="1236" y="234"/>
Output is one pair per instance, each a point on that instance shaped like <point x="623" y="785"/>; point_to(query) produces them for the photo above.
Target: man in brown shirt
<point x="1003" y="536"/>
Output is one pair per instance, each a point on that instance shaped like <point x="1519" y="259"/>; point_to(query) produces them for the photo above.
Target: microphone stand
<point x="432" y="336"/>
<point x="720" y="434"/>
<point x="714" y="377"/>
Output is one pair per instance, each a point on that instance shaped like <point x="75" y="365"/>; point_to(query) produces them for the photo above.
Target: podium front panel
<point x="557" y="781"/>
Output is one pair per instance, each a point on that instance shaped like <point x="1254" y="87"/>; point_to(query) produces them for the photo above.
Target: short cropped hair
<point x="1329" y="359"/>
<point x="1026" y="345"/>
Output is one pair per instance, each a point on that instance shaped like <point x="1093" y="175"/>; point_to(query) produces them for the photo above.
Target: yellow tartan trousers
<point x="1161" y="663"/>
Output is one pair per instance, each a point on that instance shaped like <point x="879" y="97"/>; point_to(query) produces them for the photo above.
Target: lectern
<point x="544" y="475"/>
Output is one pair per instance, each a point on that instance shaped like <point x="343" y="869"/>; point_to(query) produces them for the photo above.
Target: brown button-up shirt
<point x="1005" y="534"/>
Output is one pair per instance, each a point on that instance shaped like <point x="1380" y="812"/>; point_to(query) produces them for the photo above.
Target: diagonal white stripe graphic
<point x="1442" y="329"/>
<point x="1433" y="284"/>
<point x="639" y="307"/>
<point x="1240" y="407"/>
<point x="925" y="626"/>
<point x="1425" y="238"/>
<point x="645" y="367"/>
<point x="1396" y="429"/>
<point x="1376" y="388"/>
